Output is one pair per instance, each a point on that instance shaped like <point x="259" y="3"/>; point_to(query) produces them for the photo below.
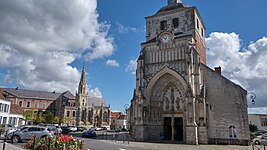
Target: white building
<point x="121" y="122"/>
<point x="16" y="116"/>
<point x="260" y="120"/>
<point x="4" y="111"/>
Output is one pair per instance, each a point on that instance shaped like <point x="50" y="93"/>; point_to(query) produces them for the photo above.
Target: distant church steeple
<point x="170" y="2"/>
<point x="82" y="84"/>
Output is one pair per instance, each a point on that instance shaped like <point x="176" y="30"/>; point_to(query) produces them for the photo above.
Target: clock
<point x="165" y="38"/>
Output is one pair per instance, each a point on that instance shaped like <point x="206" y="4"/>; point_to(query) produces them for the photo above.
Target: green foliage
<point x="56" y="119"/>
<point x="49" y="118"/>
<point x="253" y="128"/>
<point x="40" y="118"/>
<point x="252" y="136"/>
<point x="30" y="114"/>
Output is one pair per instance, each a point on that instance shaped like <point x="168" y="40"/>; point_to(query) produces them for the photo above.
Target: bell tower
<point x="81" y="100"/>
<point x="168" y="77"/>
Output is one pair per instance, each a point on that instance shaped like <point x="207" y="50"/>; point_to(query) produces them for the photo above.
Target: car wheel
<point x="15" y="139"/>
<point x="257" y="142"/>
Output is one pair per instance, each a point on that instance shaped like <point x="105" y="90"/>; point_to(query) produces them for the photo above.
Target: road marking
<point x="121" y="149"/>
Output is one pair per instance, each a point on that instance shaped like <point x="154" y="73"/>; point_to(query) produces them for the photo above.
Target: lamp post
<point x="251" y="97"/>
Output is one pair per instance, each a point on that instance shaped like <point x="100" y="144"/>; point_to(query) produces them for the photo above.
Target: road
<point x="107" y="141"/>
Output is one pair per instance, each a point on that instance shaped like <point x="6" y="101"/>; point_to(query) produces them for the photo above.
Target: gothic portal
<point x="177" y="97"/>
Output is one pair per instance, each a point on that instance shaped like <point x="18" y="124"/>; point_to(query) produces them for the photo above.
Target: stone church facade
<point x="177" y="97"/>
<point x="91" y="112"/>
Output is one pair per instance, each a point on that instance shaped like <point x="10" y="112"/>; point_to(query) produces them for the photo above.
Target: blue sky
<point x="44" y="48"/>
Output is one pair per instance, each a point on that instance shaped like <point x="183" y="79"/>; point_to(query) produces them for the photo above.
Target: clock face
<point x="165" y="38"/>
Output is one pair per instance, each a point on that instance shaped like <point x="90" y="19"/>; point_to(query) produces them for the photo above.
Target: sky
<point x="43" y="44"/>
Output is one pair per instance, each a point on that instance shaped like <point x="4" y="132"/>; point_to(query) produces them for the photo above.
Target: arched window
<point x="105" y="117"/>
<point x="163" y="25"/>
<point x="83" y="102"/>
<point x="175" y="22"/>
<point x="232" y="132"/>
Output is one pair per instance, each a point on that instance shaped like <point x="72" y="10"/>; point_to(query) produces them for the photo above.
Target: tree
<point x="253" y="128"/>
<point x="40" y="118"/>
<point x="30" y="115"/>
<point x="56" y="119"/>
<point x="49" y="118"/>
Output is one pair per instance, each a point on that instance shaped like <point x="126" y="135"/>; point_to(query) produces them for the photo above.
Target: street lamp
<point x="251" y="97"/>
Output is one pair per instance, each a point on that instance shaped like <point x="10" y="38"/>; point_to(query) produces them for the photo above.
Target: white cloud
<point x="95" y="92"/>
<point x="112" y="63"/>
<point x="131" y="66"/>
<point x="40" y="39"/>
<point x="125" y="29"/>
<point x="246" y="66"/>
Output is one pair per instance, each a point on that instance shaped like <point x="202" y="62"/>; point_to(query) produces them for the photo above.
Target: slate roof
<point x="94" y="101"/>
<point x="32" y="94"/>
<point x="172" y="7"/>
<point x="68" y="95"/>
<point x="1" y="94"/>
<point x="115" y="114"/>
<point x="15" y="109"/>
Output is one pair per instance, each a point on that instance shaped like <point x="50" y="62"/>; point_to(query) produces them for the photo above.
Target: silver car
<point x="28" y="132"/>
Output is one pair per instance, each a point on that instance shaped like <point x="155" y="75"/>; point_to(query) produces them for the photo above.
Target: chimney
<point x="218" y="70"/>
<point x="171" y="2"/>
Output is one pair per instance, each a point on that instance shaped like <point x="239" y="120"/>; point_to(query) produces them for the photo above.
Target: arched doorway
<point x="169" y="88"/>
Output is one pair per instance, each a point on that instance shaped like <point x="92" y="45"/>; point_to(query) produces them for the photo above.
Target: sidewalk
<point x="9" y="146"/>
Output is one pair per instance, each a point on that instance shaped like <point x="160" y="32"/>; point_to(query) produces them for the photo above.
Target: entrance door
<point x="178" y="129"/>
<point x="167" y="128"/>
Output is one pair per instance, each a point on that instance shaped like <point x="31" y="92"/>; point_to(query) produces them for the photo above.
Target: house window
<point x="35" y="104"/>
<point x="28" y="104"/>
<point x="202" y="32"/>
<point x="175" y="22"/>
<point x="232" y="132"/>
<point x="20" y="103"/>
<point x="264" y="122"/>
<point x="73" y="114"/>
<point x="1" y="106"/>
<point x="44" y="105"/>
<point x="68" y="104"/>
<point x="197" y="24"/>
<point x="83" y="103"/>
<point x="4" y="120"/>
<point x="68" y="113"/>
<point x="163" y="25"/>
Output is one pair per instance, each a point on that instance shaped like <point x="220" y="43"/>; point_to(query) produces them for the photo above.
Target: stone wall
<point x="226" y="106"/>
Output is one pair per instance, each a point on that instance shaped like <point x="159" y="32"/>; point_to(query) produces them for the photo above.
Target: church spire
<point x="82" y="84"/>
<point x="170" y="2"/>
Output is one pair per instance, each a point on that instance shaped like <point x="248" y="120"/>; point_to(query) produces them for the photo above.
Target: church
<point x="177" y="97"/>
<point x="79" y="110"/>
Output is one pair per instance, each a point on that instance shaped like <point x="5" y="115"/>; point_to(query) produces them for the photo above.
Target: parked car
<point x="98" y="129"/>
<point x="65" y="129"/>
<point x="89" y="133"/>
<point x="81" y="129"/>
<point x="27" y="132"/>
<point x="7" y="128"/>
<point x="262" y="139"/>
<point x="59" y="130"/>
<point x="73" y="129"/>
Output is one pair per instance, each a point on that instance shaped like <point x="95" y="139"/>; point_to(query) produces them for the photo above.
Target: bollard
<point x="4" y="146"/>
<point x="49" y="142"/>
<point x="106" y="135"/>
<point x="12" y="136"/>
